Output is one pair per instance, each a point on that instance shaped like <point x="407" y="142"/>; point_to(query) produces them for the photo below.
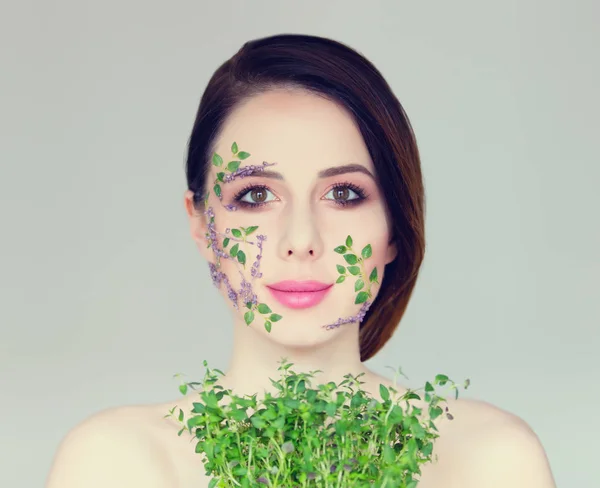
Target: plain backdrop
<point x="105" y="296"/>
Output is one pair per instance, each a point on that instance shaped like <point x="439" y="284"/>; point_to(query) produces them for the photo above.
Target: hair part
<point x="336" y="72"/>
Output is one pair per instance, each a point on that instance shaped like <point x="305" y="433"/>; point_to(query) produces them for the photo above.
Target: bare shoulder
<point x="487" y="446"/>
<point x="110" y="448"/>
<point x="479" y="413"/>
<point x="477" y="421"/>
<point x="505" y="451"/>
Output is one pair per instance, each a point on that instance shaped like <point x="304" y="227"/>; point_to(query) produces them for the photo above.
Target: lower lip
<point x="299" y="299"/>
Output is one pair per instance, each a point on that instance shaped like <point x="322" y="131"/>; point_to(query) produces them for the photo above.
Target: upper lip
<point x="293" y="285"/>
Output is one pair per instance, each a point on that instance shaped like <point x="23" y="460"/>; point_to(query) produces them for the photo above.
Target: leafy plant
<point x="328" y="436"/>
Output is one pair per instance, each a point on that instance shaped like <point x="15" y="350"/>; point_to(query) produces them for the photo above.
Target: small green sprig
<point x="264" y="309"/>
<point x="232" y="166"/>
<point x="357" y="268"/>
<point x="334" y="435"/>
<point x="238" y="235"/>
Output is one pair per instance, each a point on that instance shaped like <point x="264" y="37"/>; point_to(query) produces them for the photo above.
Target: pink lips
<point x="299" y="294"/>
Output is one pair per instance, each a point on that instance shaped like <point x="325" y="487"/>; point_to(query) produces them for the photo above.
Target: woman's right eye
<point x="256" y="194"/>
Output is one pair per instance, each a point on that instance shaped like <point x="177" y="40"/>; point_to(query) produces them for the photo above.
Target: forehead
<point x="294" y="128"/>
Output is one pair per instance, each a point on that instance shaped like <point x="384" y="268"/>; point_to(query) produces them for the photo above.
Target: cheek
<point x="370" y="229"/>
<point x="224" y="222"/>
<point x="366" y="227"/>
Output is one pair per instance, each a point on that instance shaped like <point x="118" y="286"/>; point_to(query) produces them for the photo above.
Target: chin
<point x="302" y="336"/>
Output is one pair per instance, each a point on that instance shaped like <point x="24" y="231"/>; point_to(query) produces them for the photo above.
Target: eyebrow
<point x="326" y="173"/>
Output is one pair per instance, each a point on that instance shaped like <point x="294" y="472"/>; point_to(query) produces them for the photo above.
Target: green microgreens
<point x="334" y="435"/>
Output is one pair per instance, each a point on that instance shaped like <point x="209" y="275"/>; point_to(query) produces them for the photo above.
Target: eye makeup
<point x="358" y="190"/>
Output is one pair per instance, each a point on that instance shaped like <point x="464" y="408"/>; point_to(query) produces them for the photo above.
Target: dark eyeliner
<point x="362" y="195"/>
<point x="238" y="196"/>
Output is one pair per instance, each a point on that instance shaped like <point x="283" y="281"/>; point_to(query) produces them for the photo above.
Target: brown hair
<point x="332" y="70"/>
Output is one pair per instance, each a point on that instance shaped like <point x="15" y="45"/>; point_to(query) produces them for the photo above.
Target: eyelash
<point x="362" y="195"/>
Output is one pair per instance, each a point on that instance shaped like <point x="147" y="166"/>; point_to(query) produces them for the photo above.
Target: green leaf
<point x="351" y="258"/>
<point x="361" y="297"/>
<point x="249" y="317"/>
<point x="217" y="160"/>
<point x="384" y="392"/>
<point x="234" y="250"/>
<point x="358" y="285"/>
<point x="194" y="421"/>
<point x="274" y="317"/>
<point x="217" y="189"/>
<point x="268" y="326"/>
<point x="263" y="308"/>
<point x="250" y="230"/>
<point x="233" y="165"/>
<point x="366" y="252"/>
<point x="389" y="455"/>
<point x="354" y="270"/>
<point x="435" y="412"/>
<point x="220" y="176"/>
<point x="331" y="408"/>
<point x="340" y="249"/>
<point x="341" y="279"/>
<point x="441" y="379"/>
<point x="243" y="155"/>
<point x="198" y="407"/>
<point x="258" y="422"/>
<point x="236" y="233"/>
<point x="183" y="389"/>
<point x="241" y="257"/>
<point x="349" y="241"/>
<point x="239" y="414"/>
<point x="373" y="275"/>
<point x="427" y="450"/>
<point x="357" y="400"/>
<point x="226" y="242"/>
<point x="234" y="148"/>
<point x="249" y="305"/>
<point x="340" y="269"/>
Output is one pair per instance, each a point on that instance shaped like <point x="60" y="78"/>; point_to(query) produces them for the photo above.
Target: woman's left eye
<point x="340" y="194"/>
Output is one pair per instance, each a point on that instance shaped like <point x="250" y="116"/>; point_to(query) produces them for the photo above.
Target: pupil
<point x="260" y="192"/>
<point x="342" y="192"/>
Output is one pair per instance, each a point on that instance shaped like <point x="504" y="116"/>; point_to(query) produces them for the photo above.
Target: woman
<point x="330" y="154"/>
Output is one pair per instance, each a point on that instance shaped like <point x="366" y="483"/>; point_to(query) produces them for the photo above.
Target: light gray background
<point x="105" y="297"/>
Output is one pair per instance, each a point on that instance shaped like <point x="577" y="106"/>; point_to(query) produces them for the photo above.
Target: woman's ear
<point x="198" y="226"/>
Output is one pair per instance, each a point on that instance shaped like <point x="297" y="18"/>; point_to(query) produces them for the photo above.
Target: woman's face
<point x="300" y="212"/>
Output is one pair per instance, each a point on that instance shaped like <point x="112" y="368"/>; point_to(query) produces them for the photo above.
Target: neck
<point x="257" y="355"/>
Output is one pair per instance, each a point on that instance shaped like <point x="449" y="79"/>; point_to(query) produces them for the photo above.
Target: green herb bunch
<point x="330" y="436"/>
